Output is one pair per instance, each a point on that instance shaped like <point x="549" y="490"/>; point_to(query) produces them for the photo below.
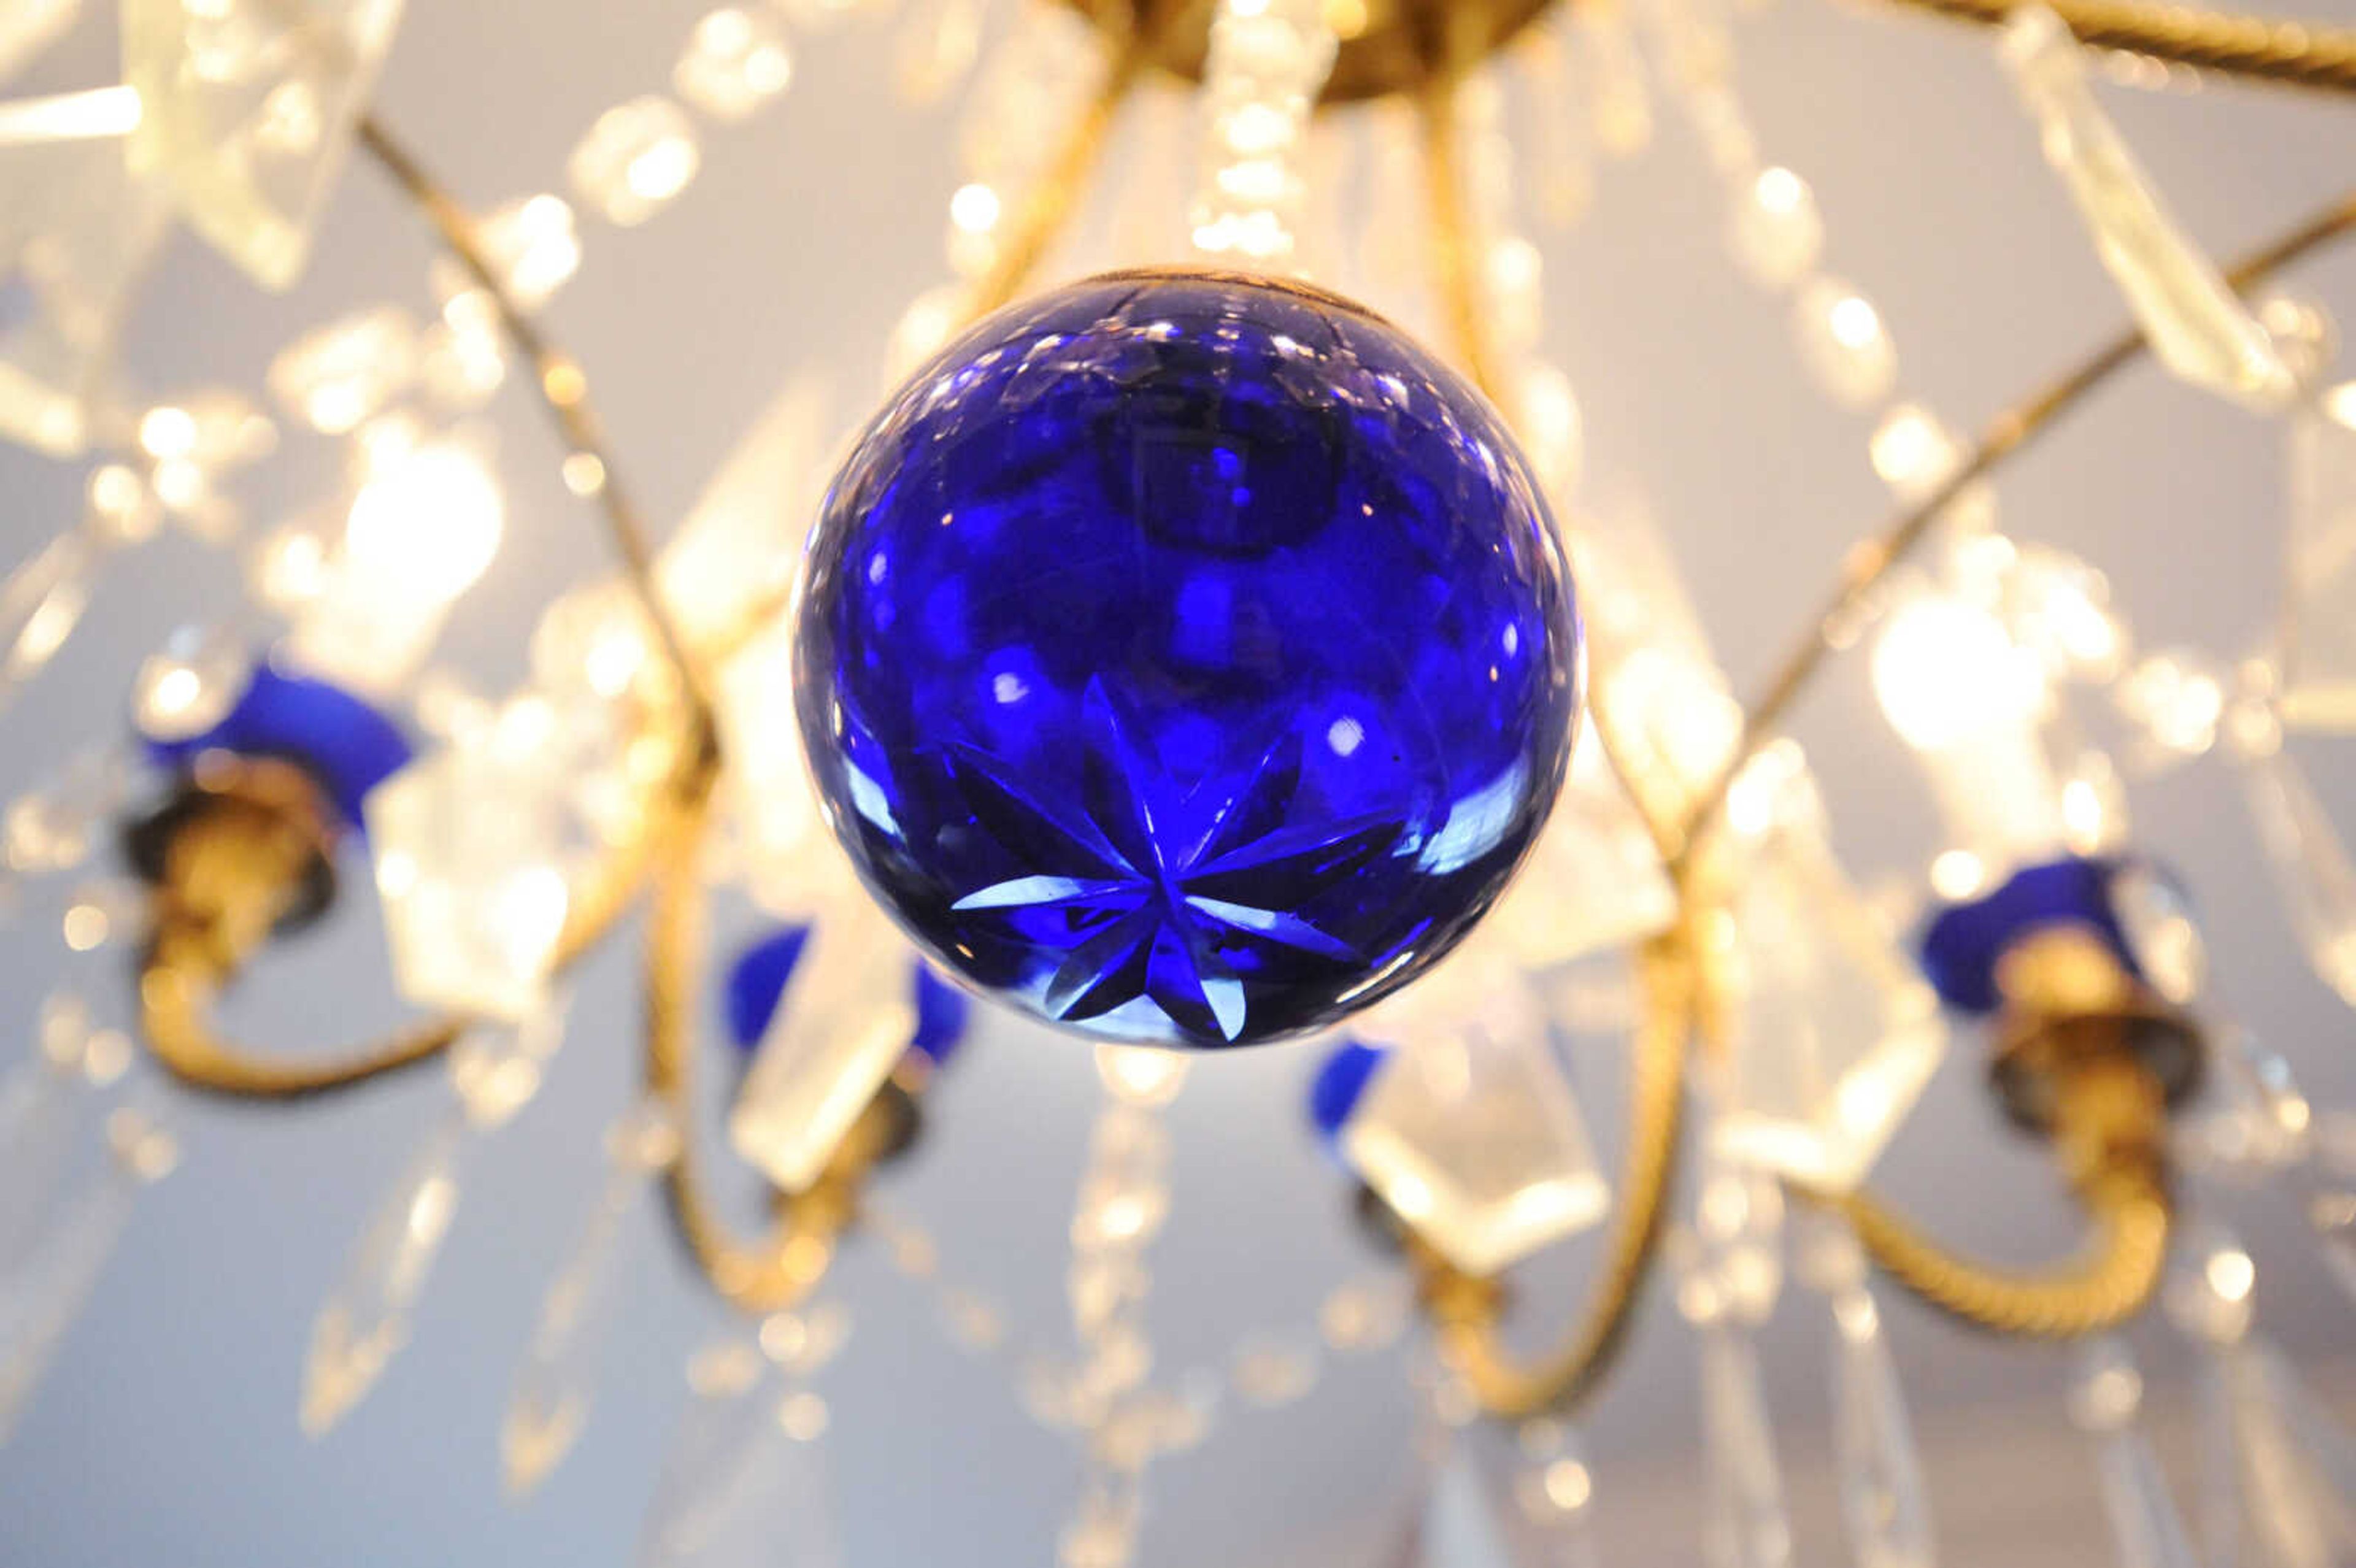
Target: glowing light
<point x="427" y="525"/>
<point x="1945" y="672"/>
<point x="975" y="208"/>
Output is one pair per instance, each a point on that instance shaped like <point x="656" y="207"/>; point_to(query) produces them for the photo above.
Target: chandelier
<point x="1180" y="654"/>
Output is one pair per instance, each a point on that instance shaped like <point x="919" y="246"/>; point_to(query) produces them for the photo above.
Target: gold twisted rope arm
<point x="226" y="886"/>
<point x="2006" y="435"/>
<point x="782" y="1267"/>
<point x="562" y="387"/>
<point x="2110" y="1130"/>
<point x="2260" y="49"/>
<point x="1466" y="1311"/>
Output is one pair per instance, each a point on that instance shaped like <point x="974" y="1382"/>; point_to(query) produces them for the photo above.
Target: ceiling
<point x="167" y="1432"/>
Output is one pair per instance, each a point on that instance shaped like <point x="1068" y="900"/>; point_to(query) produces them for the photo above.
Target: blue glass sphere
<point x="1186" y="659"/>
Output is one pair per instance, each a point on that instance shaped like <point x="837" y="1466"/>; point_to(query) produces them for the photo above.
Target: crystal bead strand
<point x="2312" y="869"/>
<point x="1730" y="1275"/>
<point x="495" y="1070"/>
<point x="1123" y="1199"/>
<point x="2278" y="1473"/>
<point x="2105" y="1397"/>
<point x="1268" y="63"/>
<point x="553" y="1387"/>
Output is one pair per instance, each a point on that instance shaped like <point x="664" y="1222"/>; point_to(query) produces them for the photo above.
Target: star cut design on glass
<point x="1154" y="879"/>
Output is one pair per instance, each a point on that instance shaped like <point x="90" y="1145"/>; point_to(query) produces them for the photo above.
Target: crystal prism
<point x="1836" y="1034"/>
<point x="846" y="1016"/>
<point x="471" y="865"/>
<point x="1594" y="882"/>
<point x="1469" y="1131"/>
<point x="2313" y="872"/>
<point x="28" y="26"/>
<point x="2318" y="661"/>
<point x="2196" y="325"/>
<point x="742" y="540"/>
<point x="251" y="106"/>
<point x="552" y="1387"/>
<point x="41" y="1301"/>
<point x="76" y="231"/>
<point x="366" y="1319"/>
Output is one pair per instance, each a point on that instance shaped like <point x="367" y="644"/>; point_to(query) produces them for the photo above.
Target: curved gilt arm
<point x="229" y="876"/>
<point x="782" y="1267"/>
<point x="2109" y="1129"/>
<point x="1466" y="1311"/>
<point x="2262" y="48"/>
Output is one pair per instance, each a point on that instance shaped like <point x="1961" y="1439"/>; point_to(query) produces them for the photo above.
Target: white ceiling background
<point x="167" y="1433"/>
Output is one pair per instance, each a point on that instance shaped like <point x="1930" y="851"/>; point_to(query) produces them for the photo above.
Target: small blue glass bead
<point x="341" y="740"/>
<point x="756" y="983"/>
<point x="1341" y="1082"/>
<point x="1963" y="944"/>
<point x="1187" y="659"/>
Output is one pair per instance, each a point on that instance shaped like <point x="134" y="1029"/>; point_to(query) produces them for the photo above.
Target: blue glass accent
<point x="756" y="983"/>
<point x="341" y="740"/>
<point x="1187" y="659"/>
<point x="757" y="980"/>
<point x="942" y="1014"/>
<point x="1340" y="1083"/>
<point x="1963" y="944"/>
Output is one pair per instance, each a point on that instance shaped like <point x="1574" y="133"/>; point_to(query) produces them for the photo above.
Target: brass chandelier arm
<point x="562" y="387"/>
<point x="199" y="949"/>
<point x="2259" y="48"/>
<point x="1048" y="205"/>
<point x="1871" y="560"/>
<point x="2109" y="1134"/>
<point x="1466" y="1311"/>
<point x="782" y="1267"/>
<point x="2110" y="1283"/>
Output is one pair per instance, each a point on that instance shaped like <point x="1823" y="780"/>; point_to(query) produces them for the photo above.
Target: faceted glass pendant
<point x="2318" y="673"/>
<point x="1836" y="1035"/>
<point x="250" y="106"/>
<point x="2197" y="327"/>
<point x="76" y="230"/>
<point x="1187" y="659"/>
<point x="1468" y="1130"/>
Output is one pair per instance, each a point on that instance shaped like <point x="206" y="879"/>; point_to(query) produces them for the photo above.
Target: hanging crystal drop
<point x="2196" y="325"/>
<point x="2318" y="663"/>
<point x="40" y="1303"/>
<point x="1835" y="1033"/>
<point x="1556" y="1492"/>
<point x="2105" y="1394"/>
<point x="41" y="1105"/>
<point x="729" y="557"/>
<point x="552" y="1389"/>
<point x="1776" y="231"/>
<point x="41" y="602"/>
<point x="736" y="60"/>
<point x="745" y="1483"/>
<point x="1744" y="1523"/>
<point x="249" y="109"/>
<point x="2311" y="867"/>
<point x="1884" y="1502"/>
<point x="1469" y="1130"/>
<point x="366" y="1319"/>
<point x="1844" y="345"/>
<point x="1461" y="1528"/>
<point x="844" y="1020"/>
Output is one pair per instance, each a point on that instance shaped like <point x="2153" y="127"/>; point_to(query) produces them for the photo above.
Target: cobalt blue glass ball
<point x="1186" y="658"/>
